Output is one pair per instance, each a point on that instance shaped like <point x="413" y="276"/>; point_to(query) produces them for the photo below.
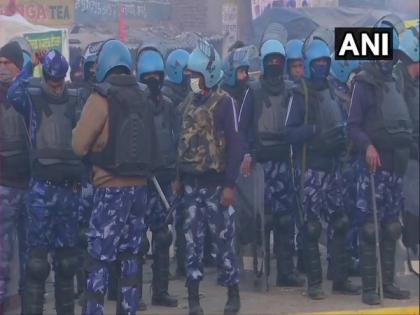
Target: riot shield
<point x="249" y="204"/>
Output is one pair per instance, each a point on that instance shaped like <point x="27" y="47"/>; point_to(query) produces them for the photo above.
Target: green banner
<point x="45" y="40"/>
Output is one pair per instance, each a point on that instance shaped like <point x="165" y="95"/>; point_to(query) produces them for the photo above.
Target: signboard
<point x="107" y="10"/>
<point x="55" y="13"/>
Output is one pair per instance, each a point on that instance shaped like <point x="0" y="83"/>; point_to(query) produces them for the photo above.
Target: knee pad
<point x="392" y="230"/>
<point x="368" y="232"/>
<point x="162" y="238"/>
<point x="67" y="262"/>
<point x="313" y="230"/>
<point x="341" y="224"/>
<point x="38" y="267"/>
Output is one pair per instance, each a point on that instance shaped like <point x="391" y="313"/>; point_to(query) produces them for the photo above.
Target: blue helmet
<point x="206" y="60"/>
<point x="409" y="44"/>
<point x="271" y="47"/>
<point x="342" y="69"/>
<point x="176" y="62"/>
<point x="238" y="58"/>
<point x="113" y="53"/>
<point x="89" y="57"/>
<point x="26" y="58"/>
<point x="395" y="39"/>
<point x="54" y="66"/>
<point x="149" y="60"/>
<point x="294" y="49"/>
<point x="317" y="49"/>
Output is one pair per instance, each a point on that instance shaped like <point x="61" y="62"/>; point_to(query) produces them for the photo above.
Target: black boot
<point x="313" y="260"/>
<point x="287" y="275"/>
<point x="194" y="298"/>
<point x="233" y="304"/>
<point x="370" y="294"/>
<point x="66" y="264"/>
<point x="391" y="233"/>
<point x="37" y="271"/>
<point x="160" y="282"/>
<point x="340" y="260"/>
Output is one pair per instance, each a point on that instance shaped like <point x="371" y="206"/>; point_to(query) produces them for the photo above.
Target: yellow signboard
<point x="411" y="23"/>
<point x="54" y="13"/>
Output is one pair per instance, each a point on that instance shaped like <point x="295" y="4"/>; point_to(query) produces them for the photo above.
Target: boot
<point x="313" y="260"/>
<point x="284" y="229"/>
<point x="194" y="298"/>
<point x="339" y="266"/>
<point x="391" y="291"/>
<point x="160" y="281"/>
<point x="233" y="303"/>
<point x="368" y="267"/>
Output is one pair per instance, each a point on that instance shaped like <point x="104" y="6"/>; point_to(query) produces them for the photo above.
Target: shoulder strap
<point x="103" y="88"/>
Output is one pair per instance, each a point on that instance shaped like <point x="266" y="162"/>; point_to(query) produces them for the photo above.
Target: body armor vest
<point x="200" y="148"/>
<point x="269" y="122"/>
<point x="14" y="140"/>
<point x="53" y="157"/>
<point x="175" y="92"/>
<point x="389" y="126"/>
<point x="325" y="112"/>
<point x="165" y="136"/>
<point x="130" y="150"/>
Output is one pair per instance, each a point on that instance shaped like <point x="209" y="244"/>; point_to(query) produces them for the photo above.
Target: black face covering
<point x="154" y="86"/>
<point x="273" y="71"/>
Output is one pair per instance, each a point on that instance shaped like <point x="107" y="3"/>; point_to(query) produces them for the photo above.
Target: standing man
<point x="116" y="134"/>
<point x="49" y="108"/>
<point x="14" y="167"/>
<point x="379" y="124"/>
<point x="272" y="149"/>
<point x="150" y="72"/>
<point x="210" y="151"/>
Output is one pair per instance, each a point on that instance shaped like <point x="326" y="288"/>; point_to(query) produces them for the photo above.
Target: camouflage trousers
<point x="203" y="206"/>
<point x="278" y="190"/>
<point x="12" y="206"/>
<point x="51" y="215"/>
<point x="389" y="195"/>
<point x="86" y="203"/>
<point x="116" y="228"/>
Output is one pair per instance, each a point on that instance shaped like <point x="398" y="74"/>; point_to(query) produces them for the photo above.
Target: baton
<point x="378" y="249"/>
<point x="163" y="198"/>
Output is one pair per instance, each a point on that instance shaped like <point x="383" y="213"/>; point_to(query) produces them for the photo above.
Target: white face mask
<point x="195" y="85"/>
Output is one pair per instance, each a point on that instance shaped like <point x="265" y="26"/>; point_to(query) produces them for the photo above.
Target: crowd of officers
<point x="85" y="166"/>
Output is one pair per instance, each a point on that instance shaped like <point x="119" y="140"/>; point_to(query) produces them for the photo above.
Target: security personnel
<point x="407" y="72"/>
<point x="14" y="166"/>
<point x="294" y="60"/>
<point x="176" y="88"/>
<point x="379" y="124"/>
<point x="272" y="149"/>
<point x="342" y="73"/>
<point x="210" y="151"/>
<point x="49" y="108"/>
<point x="116" y="134"/>
<point x="320" y="180"/>
<point x="150" y="72"/>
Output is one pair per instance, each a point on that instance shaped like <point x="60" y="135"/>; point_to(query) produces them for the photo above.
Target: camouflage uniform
<point x="12" y="204"/>
<point x="203" y="205"/>
<point x="115" y="231"/>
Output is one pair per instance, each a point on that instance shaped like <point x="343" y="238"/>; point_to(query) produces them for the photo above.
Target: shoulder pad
<point x="102" y="88"/>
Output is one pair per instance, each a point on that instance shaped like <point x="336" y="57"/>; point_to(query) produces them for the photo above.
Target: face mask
<point x="273" y="71"/>
<point x="319" y="71"/>
<point x="195" y="85"/>
<point x="154" y="86"/>
<point x="5" y="76"/>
